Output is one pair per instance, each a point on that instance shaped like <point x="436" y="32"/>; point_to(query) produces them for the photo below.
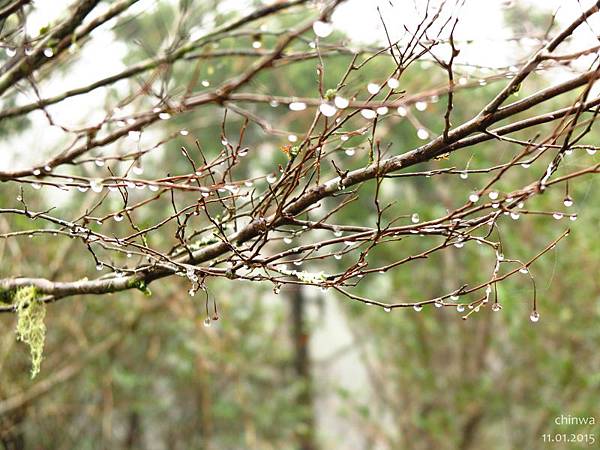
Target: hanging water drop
<point x="393" y="83"/>
<point x="373" y="88"/>
<point x="271" y="178"/>
<point x="460" y="308"/>
<point x="327" y="109"/>
<point x="322" y="29"/>
<point x="557" y="215"/>
<point x="568" y="201"/>
<point x="422" y="134"/>
<point x="496" y="307"/>
<point x="421" y="106"/>
<point x="368" y="114"/>
<point x="297" y="106"/>
<point x="415" y="218"/>
<point x="350" y="152"/>
<point x="99" y="266"/>
<point x="96" y="185"/>
<point x="118" y="217"/>
<point x="341" y="102"/>
<point x="535" y="316"/>
<point x="474" y="197"/>
<point x="402" y="111"/>
<point x="207" y="322"/>
<point x="418" y="308"/>
<point x="493" y="195"/>
<point x="387" y="309"/>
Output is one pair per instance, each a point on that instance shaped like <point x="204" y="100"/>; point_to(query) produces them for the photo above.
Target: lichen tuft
<point x="30" y="324"/>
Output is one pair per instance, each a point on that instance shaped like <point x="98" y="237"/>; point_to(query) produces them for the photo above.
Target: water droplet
<point x="418" y="308"/>
<point x="373" y="88"/>
<point x="99" y="266"/>
<point x="138" y="169"/>
<point x="535" y="316"/>
<point x="591" y="151"/>
<point x="568" y="201"/>
<point x="322" y="29"/>
<point x="524" y="270"/>
<point x="118" y="217"/>
<point x="256" y="44"/>
<point x="10" y="52"/>
<point x="192" y="292"/>
<point x="557" y="215"/>
<point x="526" y="165"/>
<point x="277" y="289"/>
<point x="350" y="151"/>
<point x="500" y="256"/>
<point x="402" y="111"/>
<point x="421" y="106"/>
<point x="569" y="151"/>
<point x="37" y="172"/>
<point x="496" y="307"/>
<point x="422" y="134"/>
<point x="393" y="83"/>
<point x="207" y="322"/>
<point x="415" y="218"/>
<point x="99" y="162"/>
<point x="382" y="110"/>
<point x="459" y="244"/>
<point x="153" y="187"/>
<point x="387" y="309"/>
<point x="473" y="198"/>
<point x="438" y="303"/>
<point x="96" y="185"/>
<point x="337" y="256"/>
<point x="36" y="186"/>
<point x="493" y="195"/>
<point x="48" y="52"/>
<point x="293" y="138"/>
<point x="464" y="175"/>
<point x="297" y="106"/>
<point x="271" y="178"/>
<point x="460" y="308"/>
<point x="341" y="102"/>
<point x="514" y="215"/>
<point x="327" y="109"/>
<point x="573" y="217"/>
<point x="287" y="240"/>
<point x="368" y="114"/>
<point x="205" y="83"/>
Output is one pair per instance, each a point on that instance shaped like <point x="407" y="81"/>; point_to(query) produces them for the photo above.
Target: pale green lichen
<point x="30" y="324"/>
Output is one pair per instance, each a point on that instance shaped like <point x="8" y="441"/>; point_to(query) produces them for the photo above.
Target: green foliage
<point x="30" y="324"/>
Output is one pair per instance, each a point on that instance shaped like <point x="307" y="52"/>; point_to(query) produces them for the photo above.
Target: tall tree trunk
<point x="302" y="367"/>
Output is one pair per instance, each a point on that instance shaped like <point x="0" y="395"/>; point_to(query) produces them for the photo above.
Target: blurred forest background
<point x="304" y="369"/>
